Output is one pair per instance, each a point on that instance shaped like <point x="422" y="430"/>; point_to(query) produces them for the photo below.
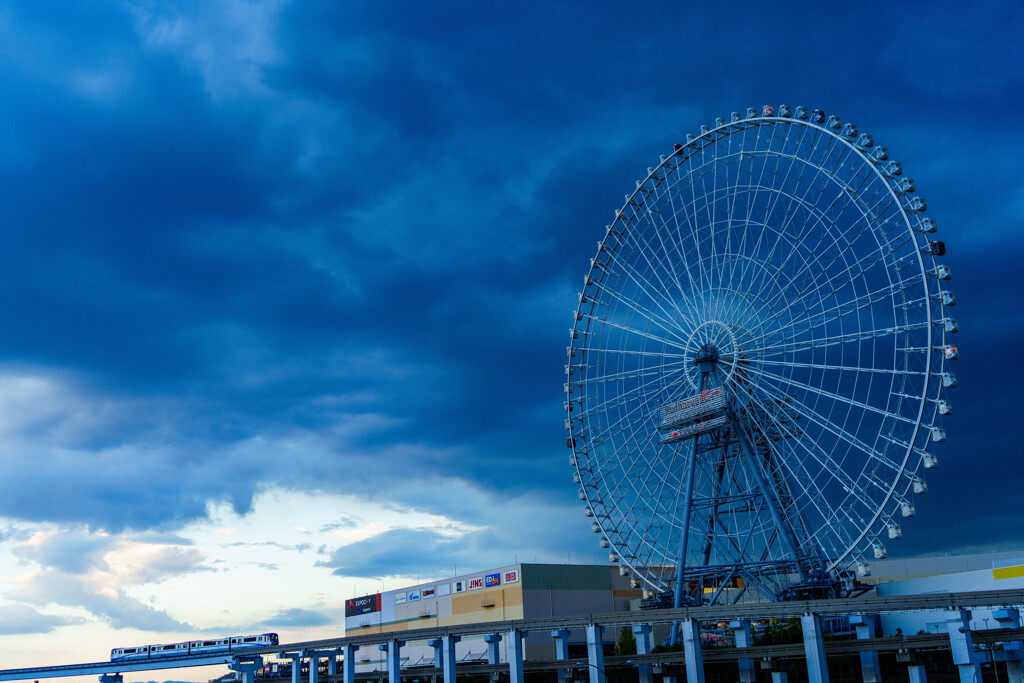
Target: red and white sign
<point x="427" y="592"/>
<point x="510" y="577"/>
<point x="476" y="583"/>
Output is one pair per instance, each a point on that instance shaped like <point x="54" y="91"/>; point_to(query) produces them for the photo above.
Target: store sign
<point x="511" y="577"/>
<point x="444" y="589"/>
<point x="459" y="586"/>
<point x="400" y="598"/>
<point x="492" y="580"/>
<point x="364" y="605"/>
<point x="414" y="595"/>
<point x="427" y="593"/>
<point x="476" y="583"/>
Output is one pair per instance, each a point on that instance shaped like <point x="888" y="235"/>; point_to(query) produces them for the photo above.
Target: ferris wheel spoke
<point x="805" y="202"/>
<point x="641" y="407"/>
<point x="633" y="331"/>
<point x="846" y="274"/>
<point x="813" y="494"/>
<point x="879" y="457"/>
<point x="838" y="339"/>
<point x="629" y="352"/>
<point x="843" y="368"/>
<point x="664" y="326"/>
<point x="638" y="372"/>
<point x="830" y="230"/>
<point x="647" y="287"/>
<point x="831" y="396"/>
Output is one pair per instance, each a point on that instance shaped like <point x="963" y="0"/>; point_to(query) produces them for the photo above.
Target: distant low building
<point x="514" y="592"/>
<point x="945" y="574"/>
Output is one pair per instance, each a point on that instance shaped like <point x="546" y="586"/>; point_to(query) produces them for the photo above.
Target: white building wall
<point x="934" y="621"/>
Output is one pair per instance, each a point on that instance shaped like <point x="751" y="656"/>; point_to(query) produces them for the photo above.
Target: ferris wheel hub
<point x="714" y="348"/>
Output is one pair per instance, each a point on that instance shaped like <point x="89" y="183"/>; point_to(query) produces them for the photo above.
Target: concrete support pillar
<point x="493" y="653"/>
<point x="692" y="650"/>
<point x="741" y="637"/>
<point x="393" y="648"/>
<point x="561" y="637"/>
<point x="642" y="633"/>
<point x="314" y="657"/>
<point x="1009" y="617"/>
<point x="438" y="646"/>
<point x="866" y="626"/>
<point x="348" y="663"/>
<point x="917" y="674"/>
<point x="961" y="645"/>
<point x="595" y="653"/>
<point x="247" y="668"/>
<point x="515" y="655"/>
<point x="445" y="650"/>
<point x="332" y="665"/>
<point x="780" y="677"/>
<point x="296" y="658"/>
<point x="814" y="648"/>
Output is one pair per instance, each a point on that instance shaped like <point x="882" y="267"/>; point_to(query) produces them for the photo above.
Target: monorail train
<point x="193" y="647"/>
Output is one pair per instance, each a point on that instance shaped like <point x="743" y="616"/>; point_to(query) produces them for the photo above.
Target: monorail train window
<point x="130" y="650"/>
<point x="209" y="643"/>
<point x="249" y="640"/>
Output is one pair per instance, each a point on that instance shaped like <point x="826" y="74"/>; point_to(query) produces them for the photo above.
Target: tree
<point x="627" y="642"/>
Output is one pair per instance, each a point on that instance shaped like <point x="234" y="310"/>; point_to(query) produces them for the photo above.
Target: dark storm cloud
<point x="361" y="230"/>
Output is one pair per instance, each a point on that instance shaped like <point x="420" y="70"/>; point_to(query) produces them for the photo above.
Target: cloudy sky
<point x="285" y="286"/>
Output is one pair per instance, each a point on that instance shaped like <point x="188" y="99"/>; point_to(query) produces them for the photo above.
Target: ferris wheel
<point x="758" y="364"/>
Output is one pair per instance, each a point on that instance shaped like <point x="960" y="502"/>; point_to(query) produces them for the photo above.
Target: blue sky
<point x="284" y="287"/>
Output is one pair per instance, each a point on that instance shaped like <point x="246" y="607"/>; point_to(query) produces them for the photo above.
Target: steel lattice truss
<point x="791" y="254"/>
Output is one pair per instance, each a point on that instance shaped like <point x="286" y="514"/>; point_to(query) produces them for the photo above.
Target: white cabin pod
<point x="595" y="527"/>
<point x="613" y="557"/>
<point x="605" y="543"/>
<point x="863" y="569"/>
<point x="929" y="461"/>
<point x="880" y="553"/>
<point x="938" y="434"/>
<point x="907" y="509"/>
<point x="920" y="486"/>
<point x="895" y="531"/>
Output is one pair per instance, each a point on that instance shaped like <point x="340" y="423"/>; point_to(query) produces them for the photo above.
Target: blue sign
<point x="492" y="580"/>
